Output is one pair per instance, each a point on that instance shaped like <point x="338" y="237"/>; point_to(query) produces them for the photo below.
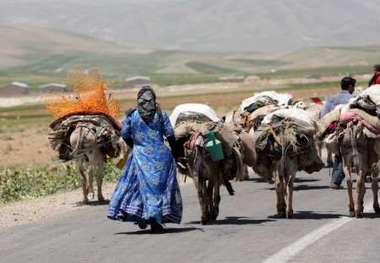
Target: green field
<point x="48" y="57"/>
<point x="317" y="72"/>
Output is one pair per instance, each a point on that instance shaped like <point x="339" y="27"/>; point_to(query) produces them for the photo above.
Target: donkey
<point x="208" y="175"/>
<point x="89" y="158"/>
<point x="360" y="153"/>
<point x="285" y="171"/>
<point x="281" y="150"/>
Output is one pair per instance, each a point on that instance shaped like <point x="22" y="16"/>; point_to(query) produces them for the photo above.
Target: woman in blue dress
<point x="148" y="191"/>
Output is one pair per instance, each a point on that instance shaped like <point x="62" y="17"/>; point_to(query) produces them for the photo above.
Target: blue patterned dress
<point x="148" y="187"/>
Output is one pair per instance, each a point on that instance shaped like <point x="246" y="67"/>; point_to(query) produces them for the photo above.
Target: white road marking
<point x="289" y="252"/>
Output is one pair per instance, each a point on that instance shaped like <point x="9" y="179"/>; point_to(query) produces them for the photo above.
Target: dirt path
<point x="45" y="208"/>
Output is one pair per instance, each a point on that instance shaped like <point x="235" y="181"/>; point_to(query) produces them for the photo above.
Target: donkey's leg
<point x="375" y="189"/>
<point x="291" y="170"/>
<point x="281" y="206"/>
<point x="329" y="158"/>
<point x="245" y="173"/>
<point x="82" y="172"/>
<point x="375" y="174"/>
<point x="360" y="185"/>
<point x="289" y="191"/>
<point x="360" y="189"/>
<point x="99" y="184"/>
<point x="200" y="185"/>
<point x="351" y="203"/>
<point x="210" y="201"/>
<point x="216" y="201"/>
<point x="90" y="173"/>
<point x="99" y="173"/>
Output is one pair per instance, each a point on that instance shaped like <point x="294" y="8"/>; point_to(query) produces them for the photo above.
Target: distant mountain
<point x="206" y="25"/>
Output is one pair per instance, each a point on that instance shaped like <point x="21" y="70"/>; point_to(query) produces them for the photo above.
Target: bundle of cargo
<point x="195" y="112"/>
<point x="105" y="128"/>
<point x="265" y="98"/>
<point x="255" y="108"/>
<point x="254" y="119"/>
<point x="287" y="132"/>
<point x="90" y="109"/>
<point x="363" y="109"/>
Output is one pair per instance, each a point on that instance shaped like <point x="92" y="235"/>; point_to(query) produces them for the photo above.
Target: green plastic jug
<point x="214" y="147"/>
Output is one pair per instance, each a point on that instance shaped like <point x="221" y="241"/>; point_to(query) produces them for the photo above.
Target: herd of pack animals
<point x="274" y="150"/>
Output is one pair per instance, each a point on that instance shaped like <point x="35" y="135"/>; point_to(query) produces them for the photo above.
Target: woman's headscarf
<point x="146" y="103"/>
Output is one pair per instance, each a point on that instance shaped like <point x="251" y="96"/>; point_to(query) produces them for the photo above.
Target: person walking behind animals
<point x="148" y="192"/>
<point x="347" y="85"/>
<point x="376" y="76"/>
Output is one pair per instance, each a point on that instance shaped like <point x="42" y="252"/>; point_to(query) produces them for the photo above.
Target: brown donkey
<point x="361" y="154"/>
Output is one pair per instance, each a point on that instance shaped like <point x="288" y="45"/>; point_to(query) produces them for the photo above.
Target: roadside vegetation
<point x="18" y="183"/>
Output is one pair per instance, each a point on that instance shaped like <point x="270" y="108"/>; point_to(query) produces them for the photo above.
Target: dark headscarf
<point x="346" y="82"/>
<point x="146" y="103"/>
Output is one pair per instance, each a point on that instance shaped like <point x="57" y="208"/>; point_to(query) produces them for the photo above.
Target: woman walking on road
<point x="148" y="192"/>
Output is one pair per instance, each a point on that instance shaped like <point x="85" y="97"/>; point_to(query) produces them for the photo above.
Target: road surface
<point x="246" y="231"/>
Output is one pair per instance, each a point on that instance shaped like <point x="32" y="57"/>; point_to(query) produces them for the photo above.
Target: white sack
<point x="282" y="98"/>
<point x="193" y="107"/>
<point x="373" y="92"/>
<point x="292" y="113"/>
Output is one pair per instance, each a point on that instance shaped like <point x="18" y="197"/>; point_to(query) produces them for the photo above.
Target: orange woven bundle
<point x="89" y="96"/>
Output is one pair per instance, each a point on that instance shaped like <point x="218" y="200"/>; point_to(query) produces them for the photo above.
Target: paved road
<point x="246" y="231"/>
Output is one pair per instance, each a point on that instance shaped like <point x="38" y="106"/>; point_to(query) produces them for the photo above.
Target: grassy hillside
<point x="40" y="55"/>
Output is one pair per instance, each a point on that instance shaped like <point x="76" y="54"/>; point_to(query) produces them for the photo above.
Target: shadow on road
<point x="236" y="220"/>
<point x="257" y="180"/>
<point x="311" y="215"/>
<point x="93" y="203"/>
<point x="171" y="230"/>
<point x="371" y="215"/>
<point x="305" y="180"/>
<point x="303" y="187"/>
<point x="297" y="180"/>
<point x="315" y="215"/>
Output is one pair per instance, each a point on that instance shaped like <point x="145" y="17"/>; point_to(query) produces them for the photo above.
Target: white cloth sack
<point x="291" y="113"/>
<point x="282" y="98"/>
<point x="373" y="92"/>
<point x="193" y="107"/>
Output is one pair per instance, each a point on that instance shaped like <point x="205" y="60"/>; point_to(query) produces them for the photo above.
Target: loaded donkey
<point x="356" y="139"/>
<point x="88" y="139"/>
<point x="284" y="144"/>
<point x="210" y="172"/>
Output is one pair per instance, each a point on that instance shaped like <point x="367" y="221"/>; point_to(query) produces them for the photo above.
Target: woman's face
<point x="146" y="101"/>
